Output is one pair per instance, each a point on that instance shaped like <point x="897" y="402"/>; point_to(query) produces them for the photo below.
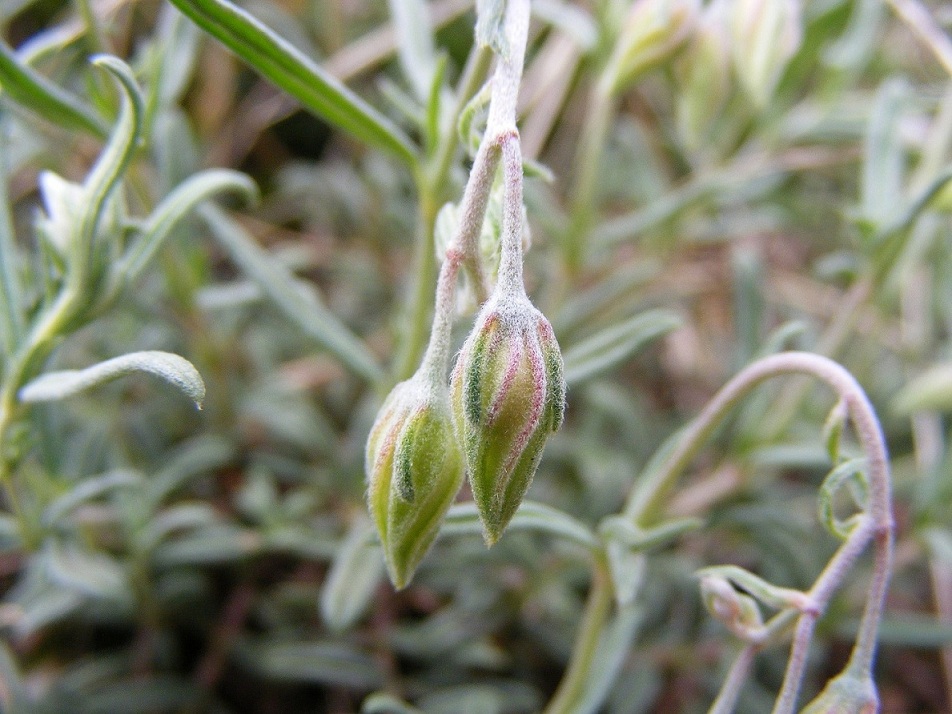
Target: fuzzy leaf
<point x="354" y="575"/>
<point x="175" y="370"/>
<point x="931" y="390"/>
<point x="174" y="207"/>
<point x="611" y="346"/>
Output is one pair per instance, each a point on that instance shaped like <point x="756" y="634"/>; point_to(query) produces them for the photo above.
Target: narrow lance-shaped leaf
<point x="175" y="370"/>
<point x="174" y="207"/>
<point x="931" y="390"/>
<point x="87" y="490"/>
<point x="414" y="44"/>
<point x="11" y="300"/>
<point x="883" y="168"/>
<point x="614" y="344"/>
<point x="301" y="307"/>
<point x="13" y="690"/>
<point x="353" y="578"/>
<point x="108" y="170"/>
<point x="463" y="519"/>
<point x="29" y="88"/>
<point x="279" y="61"/>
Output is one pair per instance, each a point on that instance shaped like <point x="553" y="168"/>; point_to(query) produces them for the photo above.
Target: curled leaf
<point x="175" y="370"/>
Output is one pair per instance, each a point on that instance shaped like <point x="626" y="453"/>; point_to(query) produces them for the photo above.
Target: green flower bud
<point x="765" y="34"/>
<point x="654" y="30"/>
<point x="847" y="693"/>
<point x="414" y="471"/>
<point x="508" y="395"/>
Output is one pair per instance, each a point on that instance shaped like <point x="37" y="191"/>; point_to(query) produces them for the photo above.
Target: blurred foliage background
<point x="219" y="560"/>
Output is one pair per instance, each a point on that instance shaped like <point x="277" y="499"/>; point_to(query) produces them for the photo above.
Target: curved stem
<point x="877" y="526"/>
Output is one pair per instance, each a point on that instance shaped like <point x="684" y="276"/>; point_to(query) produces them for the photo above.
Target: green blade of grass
<point x="280" y="62"/>
<point x="29" y="88"/>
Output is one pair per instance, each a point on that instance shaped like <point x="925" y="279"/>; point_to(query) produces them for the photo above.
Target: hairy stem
<point x="736" y="677"/>
<point x="877" y="525"/>
<point x="501" y="123"/>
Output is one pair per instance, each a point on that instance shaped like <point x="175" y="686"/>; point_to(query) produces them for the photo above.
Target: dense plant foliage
<point x="649" y="303"/>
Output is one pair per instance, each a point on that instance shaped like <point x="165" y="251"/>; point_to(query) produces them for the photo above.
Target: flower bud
<point x="765" y="34"/>
<point x="847" y="693"/>
<point x="414" y="471"/>
<point x="508" y="395"/>
<point x="654" y="30"/>
<point x="735" y="610"/>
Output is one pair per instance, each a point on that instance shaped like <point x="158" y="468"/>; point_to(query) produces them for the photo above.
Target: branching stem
<point x="876" y="526"/>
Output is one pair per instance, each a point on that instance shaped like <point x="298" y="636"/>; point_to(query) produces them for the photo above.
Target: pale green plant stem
<point x="647" y="500"/>
<point x="595" y="615"/>
<point x="437" y="355"/>
<point x="36" y="347"/>
<point x="500" y="125"/>
<point x="735" y="680"/>
<point x="776" y="627"/>
<point x="432" y="178"/>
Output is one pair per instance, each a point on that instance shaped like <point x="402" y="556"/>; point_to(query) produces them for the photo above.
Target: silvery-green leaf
<point x="12" y="305"/>
<point x="201" y="455"/>
<point x="13" y="692"/>
<point x="472" y="699"/>
<point x="414" y="44"/>
<point x="45" y="608"/>
<point x="180" y="517"/>
<point x="171" y="368"/>
<point x="490" y="20"/>
<point x="354" y="575"/>
<point x="884" y="169"/>
<point x="174" y="207"/>
<point x="178" y="47"/>
<point x="939" y="541"/>
<point x="607" y="348"/>
<point x="931" y="390"/>
<point x="626" y="567"/>
<point x="63" y="204"/>
<point x="304" y="308"/>
<point x="93" y="574"/>
<point x="611" y="651"/>
<point x="574" y="21"/>
<point x="106" y="173"/>
<point x="215" y="544"/>
<point x="318" y="662"/>
<point x="463" y="518"/>
<point x="383" y="703"/>
<point x="87" y="490"/>
<point x="278" y="60"/>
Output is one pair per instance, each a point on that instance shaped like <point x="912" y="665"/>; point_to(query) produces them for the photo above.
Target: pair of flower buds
<point x="506" y="395"/>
